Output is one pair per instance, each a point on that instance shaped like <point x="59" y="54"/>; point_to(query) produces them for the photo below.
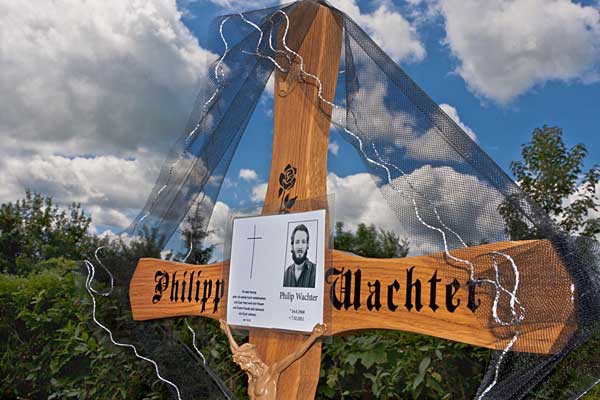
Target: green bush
<point x="400" y="365"/>
<point x="49" y="348"/>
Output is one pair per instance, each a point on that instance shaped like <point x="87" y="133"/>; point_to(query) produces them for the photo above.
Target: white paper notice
<point x="276" y="271"/>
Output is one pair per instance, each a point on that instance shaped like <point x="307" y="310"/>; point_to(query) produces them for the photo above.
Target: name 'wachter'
<point x="347" y="291"/>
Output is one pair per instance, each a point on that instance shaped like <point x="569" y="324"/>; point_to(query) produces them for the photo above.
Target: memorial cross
<point x="417" y="294"/>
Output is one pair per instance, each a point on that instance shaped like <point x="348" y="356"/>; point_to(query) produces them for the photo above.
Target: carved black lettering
<point x="409" y="289"/>
<point x="336" y="301"/>
<point x="433" y="291"/>
<point x="183" y="287"/>
<point x="395" y="286"/>
<point x="162" y="283"/>
<point x="206" y="293"/>
<point x="174" y="288"/>
<point x="451" y="290"/>
<point x="197" y="297"/>
<point x="219" y="290"/>
<point x="357" y="283"/>
<point x="374" y="299"/>
<point x="472" y="305"/>
<point x="343" y="284"/>
<point x="191" y="286"/>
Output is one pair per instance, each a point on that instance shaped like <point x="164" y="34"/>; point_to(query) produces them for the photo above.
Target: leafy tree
<point x="193" y="235"/>
<point x="35" y="229"/>
<point x="553" y="177"/>
<point x="369" y="241"/>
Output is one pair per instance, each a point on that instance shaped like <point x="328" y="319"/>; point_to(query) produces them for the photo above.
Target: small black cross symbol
<point x="254" y="238"/>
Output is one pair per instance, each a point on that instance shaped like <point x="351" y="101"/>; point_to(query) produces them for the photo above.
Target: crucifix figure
<point x="262" y="378"/>
<point x="254" y="238"/>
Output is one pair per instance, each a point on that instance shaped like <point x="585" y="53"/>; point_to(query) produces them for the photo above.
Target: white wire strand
<point x="258" y="53"/>
<point x="88" y="285"/>
<point x="194" y="341"/>
<point x="498" y="363"/>
<point x="112" y="280"/>
<point x="588" y="389"/>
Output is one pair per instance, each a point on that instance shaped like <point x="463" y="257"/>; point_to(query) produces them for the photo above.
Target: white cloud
<point x="96" y="91"/>
<point x="405" y="131"/>
<point x="248" y="174"/>
<point x="357" y="200"/>
<point x="388" y="28"/>
<point x="334" y="148"/>
<point x="222" y="216"/>
<point x="104" y="216"/>
<point x="245" y="6"/>
<point x="471" y="213"/>
<point x="259" y="192"/>
<point x="270" y="86"/>
<point x="96" y="77"/>
<point x="108" y="187"/>
<point x="505" y="47"/>
<point x="217" y="226"/>
<point x="452" y="113"/>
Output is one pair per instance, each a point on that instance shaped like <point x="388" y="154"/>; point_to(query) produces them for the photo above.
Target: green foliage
<point x="579" y="370"/>
<point x="51" y="351"/>
<point x="125" y="252"/>
<point x="34" y="229"/>
<point x="194" y="235"/>
<point x="368" y="241"/>
<point x="553" y="177"/>
<point x="399" y="365"/>
<point x="49" y="347"/>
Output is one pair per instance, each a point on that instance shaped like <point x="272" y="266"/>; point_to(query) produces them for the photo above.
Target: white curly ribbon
<point x="91" y="271"/>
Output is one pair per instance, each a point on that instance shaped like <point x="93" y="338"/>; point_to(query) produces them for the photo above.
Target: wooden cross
<point x="427" y="294"/>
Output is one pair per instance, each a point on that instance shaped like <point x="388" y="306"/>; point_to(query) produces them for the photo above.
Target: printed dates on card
<point x="276" y="271"/>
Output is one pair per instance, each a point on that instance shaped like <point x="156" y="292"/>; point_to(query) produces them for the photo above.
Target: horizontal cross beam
<point x="424" y="294"/>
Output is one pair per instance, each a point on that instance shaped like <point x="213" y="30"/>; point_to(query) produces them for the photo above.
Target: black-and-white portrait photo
<point x="277" y="271"/>
<point x="302" y="272"/>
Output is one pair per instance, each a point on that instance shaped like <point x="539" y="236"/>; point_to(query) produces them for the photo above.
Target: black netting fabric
<point x="443" y="189"/>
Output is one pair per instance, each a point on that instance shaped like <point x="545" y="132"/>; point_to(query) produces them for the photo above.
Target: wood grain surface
<point x="540" y="272"/>
<point x="300" y="140"/>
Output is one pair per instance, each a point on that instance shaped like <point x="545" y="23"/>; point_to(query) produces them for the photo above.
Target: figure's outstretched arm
<point x="225" y="328"/>
<point x="317" y="332"/>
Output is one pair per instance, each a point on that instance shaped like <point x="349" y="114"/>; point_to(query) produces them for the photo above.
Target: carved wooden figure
<point x="263" y="378"/>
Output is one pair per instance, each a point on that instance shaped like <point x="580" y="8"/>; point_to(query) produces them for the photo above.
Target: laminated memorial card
<point x="276" y="271"/>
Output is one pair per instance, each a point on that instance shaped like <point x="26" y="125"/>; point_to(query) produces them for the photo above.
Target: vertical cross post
<point x="299" y="168"/>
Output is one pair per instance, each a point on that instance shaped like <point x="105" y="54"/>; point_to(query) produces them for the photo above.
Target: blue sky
<point x="98" y="91"/>
<point x="501" y="126"/>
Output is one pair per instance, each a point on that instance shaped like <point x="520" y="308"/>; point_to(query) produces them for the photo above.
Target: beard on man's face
<point x="298" y="260"/>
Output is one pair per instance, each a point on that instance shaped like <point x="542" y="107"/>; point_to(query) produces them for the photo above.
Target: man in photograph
<point x="302" y="272"/>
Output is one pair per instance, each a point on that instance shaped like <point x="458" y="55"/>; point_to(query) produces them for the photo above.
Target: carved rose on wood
<point x="287" y="180"/>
